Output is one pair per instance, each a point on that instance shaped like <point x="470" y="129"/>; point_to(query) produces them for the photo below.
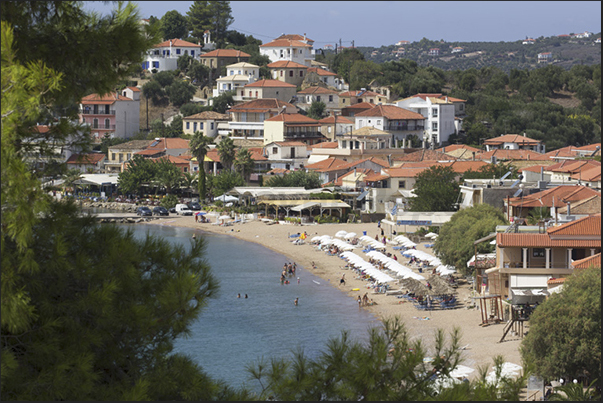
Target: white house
<point x="329" y="78"/>
<point x="286" y="154"/>
<point x="247" y="119"/>
<point x="164" y="56"/>
<point x="400" y="122"/>
<point x="237" y="76"/>
<point x="438" y="113"/>
<point x="205" y="122"/>
<point x="115" y="115"/>
<point x="528" y="41"/>
<point x="312" y="94"/>
<point x="514" y="142"/>
<point x="294" y="48"/>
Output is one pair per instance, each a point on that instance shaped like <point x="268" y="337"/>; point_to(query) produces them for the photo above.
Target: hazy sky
<point x="377" y="23"/>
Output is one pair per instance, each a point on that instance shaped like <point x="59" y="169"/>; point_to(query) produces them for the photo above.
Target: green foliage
<point x="169" y="201"/>
<point x="140" y="171"/>
<point x="173" y="25"/>
<point x="576" y="392"/>
<point x="189" y="109"/>
<point x="227" y="152"/>
<point x="491" y="171"/>
<point x="436" y="189"/>
<point x="225" y="181"/>
<point x="215" y="16"/>
<point x="389" y="367"/>
<point x="343" y="62"/>
<point x="301" y="178"/>
<point x="180" y="93"/>
<point x="199" y="145"/>
<point x="317" y="110"/>
<point x="538" y="214"/>
<point x="244" y="164"/>
<point x="565" y="330"/>
<point x="152" y="90"/>
<point x="455" y="246"/>
<point x="167" y="174"/>
<point x="223" y="102"/>
<point x="189" y="180"/>
<point x="106" y="317"/>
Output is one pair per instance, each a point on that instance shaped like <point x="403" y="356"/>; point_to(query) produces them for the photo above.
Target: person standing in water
<point x="296" y="301"/>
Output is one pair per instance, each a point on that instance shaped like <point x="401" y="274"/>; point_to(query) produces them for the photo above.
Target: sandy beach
<point x="481" y="343"/>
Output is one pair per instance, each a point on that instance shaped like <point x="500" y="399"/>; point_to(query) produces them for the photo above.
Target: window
<point x="274" y="150"/>
<point x="177" y="51"/>
<point x="461" y="107"/>
<point x="95" y="123"/>
<point x="402" y="184"/>
<point x="194" y="126"/>
<point x="107" y="124"/>
<point x="256" y="94"/>
<point x="192" y="53"/>
<point x="290" y="73"/>
<point x="188" y="125"/>
<point x="301" y="73"/>
<point x="434" y="112"/>
<point x="281" y="73"/>
<point x="155" y="65"/>
<point x="538" y="252"/>
<point x="112" y="156"/>
<point x="200" y="125"/>
<point x="128" y="155"/>
<point x="212" y="126"/>
<point x="250" y="94"/>
<point x="330" y="98"/>
<point x="434" y="126"/>
<point x="379" y="121"/>
<point x="318" y="98"/>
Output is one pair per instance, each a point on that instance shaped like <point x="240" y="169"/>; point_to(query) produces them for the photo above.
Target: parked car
<point x="182" y="209"/>
<point x="195" y="206"/>
<point x="143" y="211"/>
<point x="159" y="210"/>
<point x="172" y="210"/>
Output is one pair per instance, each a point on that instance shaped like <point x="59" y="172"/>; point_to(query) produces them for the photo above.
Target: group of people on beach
<point x="364" y="300"/>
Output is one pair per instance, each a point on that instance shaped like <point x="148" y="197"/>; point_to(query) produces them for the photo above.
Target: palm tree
<point x="199" y="147"/>
<point x="227" y="152"/>
<point x="244" y="163"/>
<point x="189" y="180"/>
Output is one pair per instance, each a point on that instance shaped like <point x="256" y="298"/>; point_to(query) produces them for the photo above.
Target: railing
<point x="403" y="128"/>
<point x="97" y="112"/>
<point x="531" y="265"/>
<point x="102" y="127"/>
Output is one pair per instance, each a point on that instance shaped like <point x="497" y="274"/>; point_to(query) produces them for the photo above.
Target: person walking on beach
<point x="342" y="281"/>
<point x="359" y="301"/>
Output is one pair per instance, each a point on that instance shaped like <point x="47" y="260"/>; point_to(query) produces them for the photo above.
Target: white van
<point x="182" y="209"/>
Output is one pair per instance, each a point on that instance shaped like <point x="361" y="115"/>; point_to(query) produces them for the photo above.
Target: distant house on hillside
<point x="434" y="52"/>
<point x="400" y="43"/>
<point x="528" y="41"/>
<point x="164" y="56"/>
<point x="457" y="49"/>
<point x="545" y="57"/>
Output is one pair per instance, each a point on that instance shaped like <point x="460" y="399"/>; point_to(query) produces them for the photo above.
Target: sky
<point x="383" y="23"/>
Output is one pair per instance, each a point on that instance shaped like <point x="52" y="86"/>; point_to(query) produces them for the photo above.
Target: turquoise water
<point x="232" y="333"/>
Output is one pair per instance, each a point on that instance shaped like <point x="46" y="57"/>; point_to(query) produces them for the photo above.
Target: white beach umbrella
<point x="224" y="217"/>
<point x="508" y="369"/>
<point x="365" y="239"/>
<point x="444" y="270"/>
<point x="341" y="234"/>
<point x="409" y="244"/>
<point x="315" y="238"/>
<point x="349" y="235"/>
<point x="401" y="238"/>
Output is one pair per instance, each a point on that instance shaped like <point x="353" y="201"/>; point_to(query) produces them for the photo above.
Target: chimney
<point x="569" y="211"/>
<point x="473" y="152"/>
<point x="541" y="173"/>
<point x="524" y="134"/>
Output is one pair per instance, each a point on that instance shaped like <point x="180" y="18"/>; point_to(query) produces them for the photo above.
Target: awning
<point x="529" y="292"/>
<point x="492" y="270"/>
<point x="304" y="206"/>
<point x="362" y="195"/>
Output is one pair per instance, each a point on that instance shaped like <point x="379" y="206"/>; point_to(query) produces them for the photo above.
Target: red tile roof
<point x="225" y="53"/>
<point x="213" y="155"/>
<point x="533" y="168"/>
<point x="295" y="37"/>
<point x="424" y="97"/>
<point x="519" y="240"/>
<point x="278" y="171"/>
<point x="286" y="64"/>
<point x="320" y="71"/>
<point x="391" y="112"/>
<point x="404" y="172"/>
<point x="585" y="226"/>
<point x="92" y="158"/>
<point x="176" y="43"/>
<point x="453" y="147"/>
<point x="424" y="155"/>
<point x="574" y="166"/>
<point x="527" y="155"/>
<point x="149" y="152"/>
<point x="594" y="261"/>
<point x="292" y="118"/>
<point x="208" y="115"/>
<point x="257" y="153"/>
<point x="107" y="99"/>
<point x="325" y="164"/>
<point x="317" y="90"/>
<point x="325" y="144"/>
<point x="134" y="89"/>
<point x="512" y="138"/>
<point x="559" y="194"/>
<point x="360" y="105"/>
<point x="169" y="143"/>
<point x="285" y="43"/>
<point x="288" y="143"/>
<point x="271" y="84"/>
<point x="173" y="159"/>
<point x="590" y="175"/>
<point x="336" y="119"/>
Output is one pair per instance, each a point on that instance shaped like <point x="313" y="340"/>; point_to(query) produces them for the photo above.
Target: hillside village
<point x="363" y="150"/>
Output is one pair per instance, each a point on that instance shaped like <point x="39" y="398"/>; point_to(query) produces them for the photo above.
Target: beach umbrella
<point x="431" y="235"/>
<point x="365" y="239"/>
<point x="200" y="213"/>
<point x="224" y="217"/>
<point x="508" y="370"/>
<point x="401" y="238"/>
<point x="226" y="198"/>
<point x="409" y="244"/>
<point x="341" y="234"/>
<point x="445" y="270"/>
<point x="316" y="238"/>
<point x="349" y="235"/>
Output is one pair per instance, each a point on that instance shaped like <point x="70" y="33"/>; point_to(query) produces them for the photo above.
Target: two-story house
<point x="91" y="163"/>
<point x="115" y="115"/>
<point x="514" y="142"/>
<point x="439" y="117"/>
<point x="309" y="95"/>
<point x="237" y="76"/>
<point x="288" y="72"/>
<point x="545" y="57"/>
<point x="570" y="171"/>
<point x="164" y="56"/>
<point x="287" y="155"/>
<point x="292" y="127"/>
<point x="299" y="50"/>
<point x="119" y="154"/>
<point x="206" y="122"/>
<point x="400" y="122"/>
<point x="219" y="58"/>
<point x="267" y="89"/>
<point x="335" y="125"/>
<point x="352" y="110"/>
<point x="315" y="75"/>
<point x="348" y="98"/>
<point x="526" y="261"/>
<point x="247" y="119"/>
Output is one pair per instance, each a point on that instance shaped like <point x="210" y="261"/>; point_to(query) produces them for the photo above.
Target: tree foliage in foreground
<point x="436" y="189"/>
<point x="454" y="246"/>
<point x="103" y="319"/>
<point x="389" y="367"/>
<point x="565" y="331"/>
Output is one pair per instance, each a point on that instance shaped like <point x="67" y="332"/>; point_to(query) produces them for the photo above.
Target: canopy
<point x="200" y="213"/>
<point x="431" y="235"/>
<point x="226" y="198"/>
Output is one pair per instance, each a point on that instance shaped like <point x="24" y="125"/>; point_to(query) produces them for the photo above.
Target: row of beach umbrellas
<point x="394" y="266"/>
<point x="368" y="268"/>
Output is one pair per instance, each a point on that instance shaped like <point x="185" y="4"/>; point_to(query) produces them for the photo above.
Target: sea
<point x="233" y="333"/>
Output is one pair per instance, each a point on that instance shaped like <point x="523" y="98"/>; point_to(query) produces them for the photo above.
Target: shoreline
<point x="480" y="343"/>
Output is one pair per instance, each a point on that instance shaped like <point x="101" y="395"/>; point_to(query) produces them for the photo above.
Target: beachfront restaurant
<point x="406" y="221"/>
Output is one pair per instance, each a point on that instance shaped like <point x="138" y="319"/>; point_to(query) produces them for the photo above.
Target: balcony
<point x="97" y="112"/>
<point x="397" y="128"/>
<point x="101" y="127"/>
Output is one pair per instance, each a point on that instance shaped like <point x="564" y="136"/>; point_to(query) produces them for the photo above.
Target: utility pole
<point x="352" y="44"/>
<point x="339" y="43"/>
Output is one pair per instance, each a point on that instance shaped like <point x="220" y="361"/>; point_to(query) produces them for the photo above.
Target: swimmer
<point x="239" y="295"/>
<point x="298" y="280"/>
<point x="296" y="301"/>
<point x="245" y="295"/>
